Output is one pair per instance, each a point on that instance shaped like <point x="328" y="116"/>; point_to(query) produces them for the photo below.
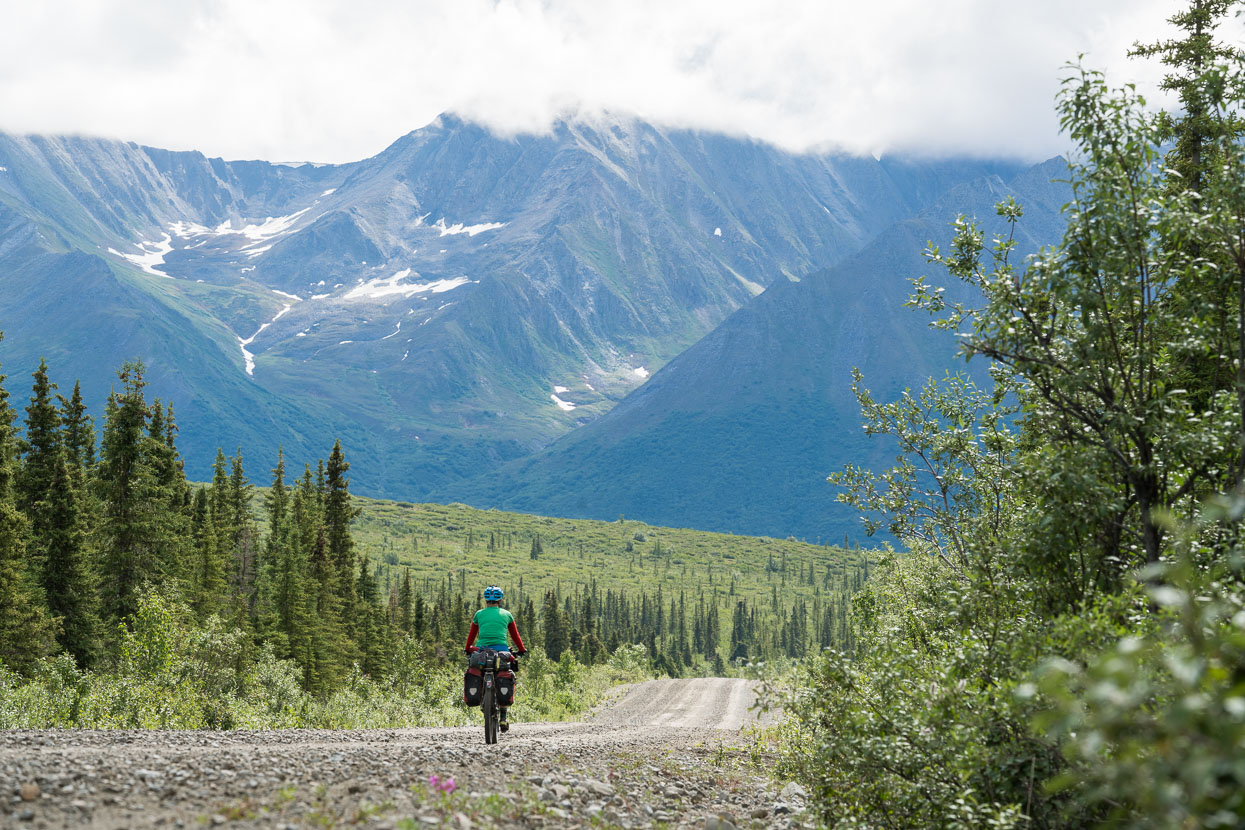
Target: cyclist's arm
<point x="471" y="635"/>
<point x="513" y="630"/>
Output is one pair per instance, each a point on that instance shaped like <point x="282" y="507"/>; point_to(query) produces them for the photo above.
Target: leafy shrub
<point x="1153" y="726"/>
<point x="919" y="726"/>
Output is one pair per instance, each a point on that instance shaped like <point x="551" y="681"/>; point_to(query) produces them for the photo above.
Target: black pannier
<point x="505" y="688"/>
<point x="473" y="686"/>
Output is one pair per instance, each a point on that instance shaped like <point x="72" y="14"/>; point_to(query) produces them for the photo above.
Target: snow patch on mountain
<point x="460" y="228"/>
<point x="272" y="226"/>
<point x="386" y="286"/>
<point x="248" y="358"/>
<point x="565" y="406"/>
<point x="640" y="372"/>
<point x="148" y="260"/>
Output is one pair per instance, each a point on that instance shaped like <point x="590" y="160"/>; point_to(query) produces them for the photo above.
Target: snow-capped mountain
<point x="459" y="300"/>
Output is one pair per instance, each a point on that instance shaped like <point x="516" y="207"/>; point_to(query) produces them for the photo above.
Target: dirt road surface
<point x="677" y="753"/>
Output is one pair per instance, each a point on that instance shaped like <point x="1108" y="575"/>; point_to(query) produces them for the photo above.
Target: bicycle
<point x="492" y="663"/>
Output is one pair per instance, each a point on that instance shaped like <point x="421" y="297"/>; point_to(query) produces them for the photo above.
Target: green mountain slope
<point x="740" y="431"/>
<point x="458" y="550"/>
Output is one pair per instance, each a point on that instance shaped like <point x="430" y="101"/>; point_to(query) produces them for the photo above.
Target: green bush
<point x="1153" y="725"/>
<point x="918" y="728"/>
<point x="173" y="675"/>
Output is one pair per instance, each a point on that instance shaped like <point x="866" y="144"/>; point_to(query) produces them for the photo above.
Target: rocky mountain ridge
<point x="457" y="301"/>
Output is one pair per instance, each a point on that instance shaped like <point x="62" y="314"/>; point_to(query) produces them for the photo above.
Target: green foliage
<point x="951" y="491"/>
<point x="1199" y="129"/>
<point x="588" y="562"/>
<point x="25" y="627"/>
<point x="1063" y="645"/>
<point x="1153" y="724"/>
<point x="138" y="543"/>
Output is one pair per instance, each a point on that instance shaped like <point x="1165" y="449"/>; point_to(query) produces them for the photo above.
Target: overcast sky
<point x="338" y="80"/>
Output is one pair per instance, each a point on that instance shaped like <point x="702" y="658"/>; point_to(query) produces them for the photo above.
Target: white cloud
<point x="337" y="80"/>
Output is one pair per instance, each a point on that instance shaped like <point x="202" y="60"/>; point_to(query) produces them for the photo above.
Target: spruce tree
<point x="370" y="633"/>
<point x="405" y="618"/>
<point x="553" y="624"/>
<point x="1198" y="129"/>
<point x="245" y="537"/>
<point x="40" y="451"/>
<point x="26" y="630"/>
<point x="79" y="429"/>
<point x="337" y="517"/>
<point x="175" y="504"/>
<point x="329" y="651"/>
<point x="69" y="580"/>
<point x="136" y="541"/>
<point x="207" y="575"/>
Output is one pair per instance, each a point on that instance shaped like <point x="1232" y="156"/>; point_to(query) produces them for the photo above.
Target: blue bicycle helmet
<point x="493" y="594"/>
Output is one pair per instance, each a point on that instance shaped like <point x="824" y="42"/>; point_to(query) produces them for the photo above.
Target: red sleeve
<point x="514" y="635"/>
<point x="471" y="635"/>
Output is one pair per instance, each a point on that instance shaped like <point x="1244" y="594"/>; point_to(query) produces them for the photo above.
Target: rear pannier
<point x="473" y="686"/>
<point x="505" y="688"/>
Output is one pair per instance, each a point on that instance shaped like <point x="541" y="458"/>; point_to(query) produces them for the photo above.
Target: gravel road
<point x="663" y="753"/>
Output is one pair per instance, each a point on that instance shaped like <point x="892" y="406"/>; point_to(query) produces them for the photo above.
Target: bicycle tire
<point x="489" y="707"/>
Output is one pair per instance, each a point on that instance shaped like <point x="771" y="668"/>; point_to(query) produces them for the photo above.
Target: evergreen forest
<point x="115" y="566"/>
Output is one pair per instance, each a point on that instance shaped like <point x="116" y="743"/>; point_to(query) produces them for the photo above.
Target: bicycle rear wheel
<point x="489" y="708"/>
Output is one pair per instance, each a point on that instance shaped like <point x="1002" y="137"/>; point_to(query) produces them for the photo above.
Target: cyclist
<point x="492" y="624"/>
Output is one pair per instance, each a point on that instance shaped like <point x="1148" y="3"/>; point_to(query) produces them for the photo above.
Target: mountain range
<point x="742" y="429"/>
<point x="477" y="316"/>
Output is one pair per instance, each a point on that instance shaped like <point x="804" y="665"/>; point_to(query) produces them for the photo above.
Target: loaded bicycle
<point x="489" y="684"/>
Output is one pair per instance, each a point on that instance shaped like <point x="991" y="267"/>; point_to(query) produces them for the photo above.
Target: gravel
<point x="629" y="767"/>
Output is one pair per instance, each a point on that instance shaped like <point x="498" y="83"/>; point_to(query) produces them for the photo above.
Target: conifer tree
<point x="136" y="545"/>
<point x="68" y="579"/>
<point x="370" y="633"/>
<point x="26" y="630"/>
<point x="40" y="450"/>
<point x="1195" y="131"/>
<point x="79" y="429"/>
<point x="329" y="650"/>
<point x="245" y="537"/>
<point x="553" y="624"/>
<point x="174" y="501"/>
<point x="337" y="516"/>
<point x="419" y="621"/>
<point x="207" y="575"/>
<point x="405" y="619"/>
<point x="279" y="576"/>
<point x="35" y="479"/>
